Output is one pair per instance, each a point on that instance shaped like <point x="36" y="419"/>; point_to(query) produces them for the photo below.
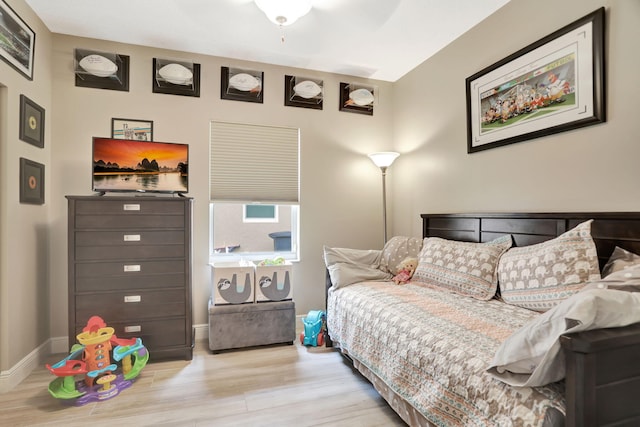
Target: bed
<point x="601" y="373"/>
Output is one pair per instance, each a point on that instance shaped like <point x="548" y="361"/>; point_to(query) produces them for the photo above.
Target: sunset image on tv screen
<point x="128" y="165"/>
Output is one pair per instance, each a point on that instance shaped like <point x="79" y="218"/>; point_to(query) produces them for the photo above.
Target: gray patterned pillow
<point x="397" y="249"/>
<point x="620" y="260"/>
<point x="539" y="277"/>
<point x="462" y="267"/>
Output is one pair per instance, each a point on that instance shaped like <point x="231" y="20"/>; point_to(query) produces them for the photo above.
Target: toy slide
<point x="64" y="386"/>
<point x="92" y="359"/>
<point x="124" y="353"/>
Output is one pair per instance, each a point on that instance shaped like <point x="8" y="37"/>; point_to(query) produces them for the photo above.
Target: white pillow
<point x="532" y="356"/>
<point x="370" y="257"/>
<point x="347" y="266"/>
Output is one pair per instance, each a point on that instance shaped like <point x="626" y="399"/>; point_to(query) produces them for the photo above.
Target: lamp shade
<point x="284" y="12"/>
<point x="383" y="159"/>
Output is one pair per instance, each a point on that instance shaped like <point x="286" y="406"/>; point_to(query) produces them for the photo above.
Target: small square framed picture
<point x="241" y="85"/>
<point x="31" y="182"/>
<point x="101" y="70"/>
<point x="31" y="122"/>
<point x="176" y="77"/>
<point x="139" y="130"/>
<point x="358" y="98"/>
<point x="303" y="92"/>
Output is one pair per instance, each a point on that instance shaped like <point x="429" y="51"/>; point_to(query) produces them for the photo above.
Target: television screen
<point x="142" y="166"/>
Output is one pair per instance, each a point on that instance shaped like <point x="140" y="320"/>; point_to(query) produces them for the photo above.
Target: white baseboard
<point x="34" y="360"/>
<point x="60" y="345"/>
<point x="201" y="332"/>
<point x="299" y="324"/>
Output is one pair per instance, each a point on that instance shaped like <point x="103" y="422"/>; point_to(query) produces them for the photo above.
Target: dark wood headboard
<point x="609" y="229"/>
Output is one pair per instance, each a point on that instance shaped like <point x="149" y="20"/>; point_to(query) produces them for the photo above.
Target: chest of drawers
<point x="130" y="263"/>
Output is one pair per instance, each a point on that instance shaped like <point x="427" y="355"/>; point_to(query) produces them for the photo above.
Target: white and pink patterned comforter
<point x="432" y="348"/>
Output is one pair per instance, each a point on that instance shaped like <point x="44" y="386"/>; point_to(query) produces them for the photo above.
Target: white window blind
<point x="253" y="163"/>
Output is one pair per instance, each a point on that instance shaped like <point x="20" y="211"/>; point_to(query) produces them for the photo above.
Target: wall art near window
<point x="303" y="92"/>
<point x="553" y="85"/>
<point x="241" y="85"/>
<point x="31" y="122"/>
<point x="101" y="70"/>
<point x="357" y="98"/>
<point x="176" y="77"/>
<point x="140" y="130"/>
<point x="17" y="41"/>
<point x="31" y="182"/>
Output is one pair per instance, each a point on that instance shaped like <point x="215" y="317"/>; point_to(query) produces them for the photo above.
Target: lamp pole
<point x="383" y="160"/>
<point x="384" y="200"/>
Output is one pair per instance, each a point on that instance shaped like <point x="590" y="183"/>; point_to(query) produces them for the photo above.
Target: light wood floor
<point x="287" y="385"/>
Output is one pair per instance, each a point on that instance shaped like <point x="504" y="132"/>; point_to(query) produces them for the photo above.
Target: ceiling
<point x="378" y="39"/>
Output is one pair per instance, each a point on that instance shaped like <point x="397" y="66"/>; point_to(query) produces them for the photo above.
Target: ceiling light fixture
<point x="284" y="12"/>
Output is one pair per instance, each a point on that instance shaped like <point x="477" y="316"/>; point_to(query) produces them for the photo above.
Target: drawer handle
<point x="132" y="298"/>
<point x="131" y="207"/>
<point x="130" y="268"/>
<point x="135" y="328"/>
<point x="131" y="237"/>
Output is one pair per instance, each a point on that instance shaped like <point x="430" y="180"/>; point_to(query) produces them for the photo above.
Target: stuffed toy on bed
<point x="406" y="268"/>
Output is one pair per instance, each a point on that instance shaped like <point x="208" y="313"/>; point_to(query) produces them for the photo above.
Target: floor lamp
<point x="383" y="160"/>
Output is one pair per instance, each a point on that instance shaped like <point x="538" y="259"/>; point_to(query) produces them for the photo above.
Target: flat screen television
<point x="124" y="165"/>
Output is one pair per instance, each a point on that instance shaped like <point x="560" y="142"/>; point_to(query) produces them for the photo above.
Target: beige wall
<point x="24" y="231"/>
<point x="339" y="185"/>
<point x="593" y="168"/>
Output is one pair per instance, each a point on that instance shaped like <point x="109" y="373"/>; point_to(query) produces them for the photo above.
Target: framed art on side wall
<point x="17" y="41"/>
<point x="31" y="122"/>
<point x="553" y="85"/>
<point x="31" y="182"/>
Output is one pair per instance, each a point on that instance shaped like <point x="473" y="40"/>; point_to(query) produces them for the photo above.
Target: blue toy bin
<point x="314" y="327"/>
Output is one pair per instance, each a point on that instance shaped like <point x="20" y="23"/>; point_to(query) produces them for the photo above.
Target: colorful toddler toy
<point x="92" y="358"/>
<point x="313" y="328"/>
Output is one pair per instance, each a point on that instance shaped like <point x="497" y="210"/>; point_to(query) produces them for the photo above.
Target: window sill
<point x="252" y="256"/>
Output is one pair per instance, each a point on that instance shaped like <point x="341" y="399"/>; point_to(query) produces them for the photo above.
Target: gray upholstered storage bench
<point x="247" y="325"/>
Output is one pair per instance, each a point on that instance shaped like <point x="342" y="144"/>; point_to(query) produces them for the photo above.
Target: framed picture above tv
<point x="140" y="130"/>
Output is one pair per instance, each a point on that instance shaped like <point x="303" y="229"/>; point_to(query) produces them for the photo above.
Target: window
<point x="254" y="189"/>
<point x="260" y="213"/>
<point x="234" y="237"/>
